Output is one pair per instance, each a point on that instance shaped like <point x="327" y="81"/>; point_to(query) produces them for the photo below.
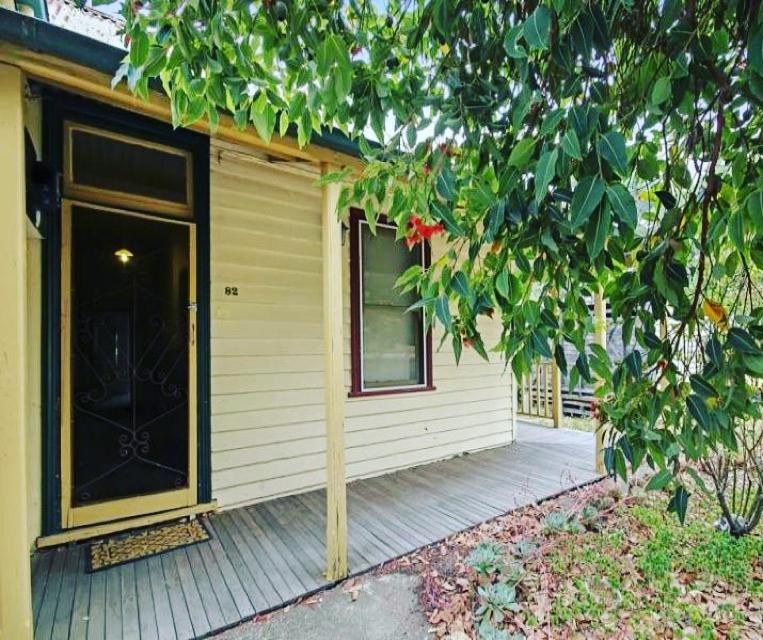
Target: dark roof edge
<point x="45" y="38"/>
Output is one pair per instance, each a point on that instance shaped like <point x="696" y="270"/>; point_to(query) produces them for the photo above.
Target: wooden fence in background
<point x="543" y="394"/>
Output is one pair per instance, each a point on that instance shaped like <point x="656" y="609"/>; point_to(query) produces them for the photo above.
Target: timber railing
<point x="543" y="395"/>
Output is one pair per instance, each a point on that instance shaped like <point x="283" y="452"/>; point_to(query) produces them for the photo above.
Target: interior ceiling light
<point x="123" y="255"/>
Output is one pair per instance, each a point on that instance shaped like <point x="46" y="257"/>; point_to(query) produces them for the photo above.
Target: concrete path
<point x="382" y="607"/>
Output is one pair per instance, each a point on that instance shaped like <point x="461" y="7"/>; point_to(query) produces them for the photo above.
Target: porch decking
<point x="265" y="555"/>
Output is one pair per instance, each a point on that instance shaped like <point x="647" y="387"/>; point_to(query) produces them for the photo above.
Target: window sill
<point x="389" y="392"/>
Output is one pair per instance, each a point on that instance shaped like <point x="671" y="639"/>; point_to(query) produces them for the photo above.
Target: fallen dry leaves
<point x="567" y="599"/>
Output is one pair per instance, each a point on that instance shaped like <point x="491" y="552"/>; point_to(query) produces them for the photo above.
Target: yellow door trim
<point x="72" y="189"/>
<point x="97" y="530"/>
<point x="111" y="510"/>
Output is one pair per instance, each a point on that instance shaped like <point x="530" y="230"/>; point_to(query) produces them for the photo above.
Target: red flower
<point x="419" y="230"/>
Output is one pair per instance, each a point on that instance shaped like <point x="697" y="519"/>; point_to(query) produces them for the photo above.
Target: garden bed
<point x="594" y="564"/>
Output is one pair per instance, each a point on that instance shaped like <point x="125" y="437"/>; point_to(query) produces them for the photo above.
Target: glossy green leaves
<point x="537" y="27"/>
<point x="612" y="148"/>
<point x="562" y="146"/>
<point x="585" y="199"/>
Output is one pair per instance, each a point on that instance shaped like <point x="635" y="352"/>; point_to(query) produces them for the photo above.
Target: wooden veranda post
<point x="600" y="338"/>
<point x="557" y="409"/>
<point x="15" y="579"/>
<point x="333" y="350"/>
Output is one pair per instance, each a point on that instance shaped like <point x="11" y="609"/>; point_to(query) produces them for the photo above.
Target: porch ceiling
<point x="269" y="554"/>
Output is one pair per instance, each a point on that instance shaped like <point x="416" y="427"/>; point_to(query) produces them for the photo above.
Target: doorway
<point x="128" y="438"/>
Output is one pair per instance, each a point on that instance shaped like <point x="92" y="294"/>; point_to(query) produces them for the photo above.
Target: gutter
<point x="48" y="39"/>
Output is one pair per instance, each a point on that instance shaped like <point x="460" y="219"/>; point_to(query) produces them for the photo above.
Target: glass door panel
<point x="128" y="369"/>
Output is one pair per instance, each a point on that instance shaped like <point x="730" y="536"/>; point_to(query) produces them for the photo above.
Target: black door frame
<point x="59" y="106"/>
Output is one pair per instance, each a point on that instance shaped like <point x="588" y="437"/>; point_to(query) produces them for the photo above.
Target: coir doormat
<point x="145" y="543"/>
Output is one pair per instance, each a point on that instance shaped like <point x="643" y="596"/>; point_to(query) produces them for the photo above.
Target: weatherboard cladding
<point x="268" y="432"/>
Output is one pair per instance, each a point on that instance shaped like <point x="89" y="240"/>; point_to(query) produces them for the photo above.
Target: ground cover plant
<point x="594" y="564"/>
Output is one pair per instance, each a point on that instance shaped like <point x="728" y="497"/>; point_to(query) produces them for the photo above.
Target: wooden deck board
<point x="130" y="617"/>
<point x="96" y="624"/>
<point x="244" y="604"/>
<point x="146" y="611"/>
<point x="165" y="625"/>
<point x="113" y="606"/>
<point x="265" y="555"/>
<point x="46" y="618"/>
<point x="196" y="610"/>
<point x="180" y="619"/>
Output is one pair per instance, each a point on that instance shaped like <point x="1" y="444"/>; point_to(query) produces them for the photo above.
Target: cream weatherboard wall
<point x="268" y="434"/>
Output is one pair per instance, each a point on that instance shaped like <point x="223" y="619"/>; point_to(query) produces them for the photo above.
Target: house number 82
<point x="231" y="291"/>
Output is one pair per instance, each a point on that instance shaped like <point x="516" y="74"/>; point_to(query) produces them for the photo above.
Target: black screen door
<point x="130" y="354"/>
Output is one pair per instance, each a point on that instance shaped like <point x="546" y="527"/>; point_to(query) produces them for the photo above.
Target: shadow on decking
<point x="269" y="554"/>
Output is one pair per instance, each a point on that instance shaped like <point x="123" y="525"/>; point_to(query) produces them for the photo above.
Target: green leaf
<point x="659" y="480"/>
<point x="370" y="214"/>
<point x="540" y="344"/>
<point x="571" y="144"/>
<point x="702" y="387"/>
<point x="755" y="51"/>
<point x="444" y="213"/>
<point x="521" y="153"/>
<point x="588" y="194"/>
<point x="264" y="121"/>
<point x="743" y="342"/>
<point x="512" y="48"/>
<point x="679" y="502"/>
<point x="508" y="286"/>
<point x="754" y="365"/>
<point x="667" y="199"/>
<point x="612" y="149"/>
<point x="736" y="231"/>
<point x="446" y="184"/>
<point x="698" y="410"/>
<point x="581" y="364"/>
<point x="754" y="205"/>
<point x="619" y="464"/>
<point x="561" y="358"/>
<point x="442" y="311"/>
<point x="714" y="351"/>
<point x="661" y="91"/>
<point x="139" y="49"/>
<point x="502" y="283"/>
<point x="633" y="363"/>
<point x="597" y="231"/>
<point x="457" y="346"/>
<point x="155" y="62"/>
<point x="460" y="284"/>
<point x="623" y="204"/>
<point x="537" y="27"/>
<point x="544" y="173"/>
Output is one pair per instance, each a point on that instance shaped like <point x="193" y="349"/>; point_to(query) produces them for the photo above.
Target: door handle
<point x="192" y="307"/>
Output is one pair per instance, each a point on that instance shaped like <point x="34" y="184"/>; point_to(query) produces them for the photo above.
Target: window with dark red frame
<point x="391" y="347"/>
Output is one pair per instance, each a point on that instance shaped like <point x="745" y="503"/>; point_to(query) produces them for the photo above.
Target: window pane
<point x="393" y="346"/>
<point x="103" y="162"/>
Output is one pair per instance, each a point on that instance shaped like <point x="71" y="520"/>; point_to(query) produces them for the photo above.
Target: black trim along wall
<point x="57" y="107"/>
